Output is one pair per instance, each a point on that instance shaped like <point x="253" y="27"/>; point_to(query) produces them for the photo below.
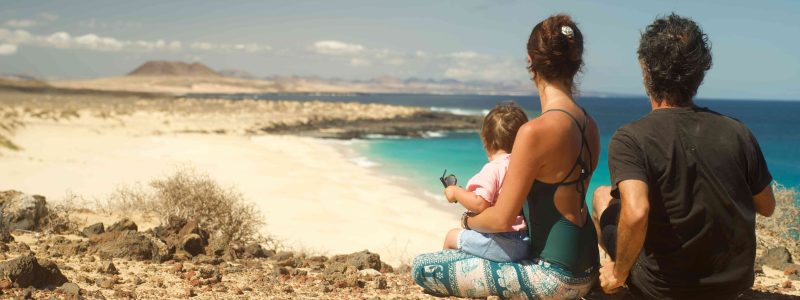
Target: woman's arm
<point x="521" y="172"/>
<point x="467" y="199"/>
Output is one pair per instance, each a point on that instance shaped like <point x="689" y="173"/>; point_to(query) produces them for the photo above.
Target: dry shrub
<point x="783" y="227"/>
<point x="60" y="217"/>
<point x="191" y="195"/>
<point x="129" y="198"/>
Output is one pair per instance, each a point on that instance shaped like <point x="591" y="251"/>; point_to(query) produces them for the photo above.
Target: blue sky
<point x="756" y="52"/>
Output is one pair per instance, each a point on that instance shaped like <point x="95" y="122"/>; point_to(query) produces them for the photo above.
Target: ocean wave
<point x="364" y="162"/>
<point x="439" y="197"/>
<point x="374" y="136"/>
<point x="434" y="134"/>
<point x="460" y="111"/>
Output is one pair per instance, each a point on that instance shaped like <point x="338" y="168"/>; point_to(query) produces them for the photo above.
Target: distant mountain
<point x="236" y="73"/>
<point x="389" y="84"/>
<point x="20" y="80"/>
<point x="173" y="68"/>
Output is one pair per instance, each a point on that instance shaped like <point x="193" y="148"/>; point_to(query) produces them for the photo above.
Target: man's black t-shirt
<point x="702" y="170"/>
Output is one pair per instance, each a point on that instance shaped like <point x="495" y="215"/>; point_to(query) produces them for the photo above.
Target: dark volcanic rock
<point x="67" y="247"/>
<point x="122" y="225"/>
<point x="26" y="271"/>
<point x="416" y="125"/>
<point x="180" y="234"/>
<point x="256" y="251"/>
<point x="192" y="244"/>
<point x="5" y="235"/>
<point x="93" y="229"/>
<point x="127" y="244"/>
<point x="108" y="268"/>
<point x="360" y="260"/>
<point x="22" y="211"/>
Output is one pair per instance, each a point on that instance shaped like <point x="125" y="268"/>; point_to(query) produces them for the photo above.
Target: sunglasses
<point x="448" y="180"/>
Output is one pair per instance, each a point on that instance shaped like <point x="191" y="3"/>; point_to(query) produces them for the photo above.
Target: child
<point x="500" y="128"/>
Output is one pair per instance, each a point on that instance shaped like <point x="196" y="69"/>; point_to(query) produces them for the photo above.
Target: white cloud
<point x="248" y="47"/>
<point x="21" y="23"/>
<point x="336" y="47"/>
<point x="59" y="39"/>
<point x="8" y="49"/>
<point x="89" y="41"/>
<point x="92" y="41"/>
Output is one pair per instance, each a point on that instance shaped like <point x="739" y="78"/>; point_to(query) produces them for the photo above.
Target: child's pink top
<point x="487" y="184"/>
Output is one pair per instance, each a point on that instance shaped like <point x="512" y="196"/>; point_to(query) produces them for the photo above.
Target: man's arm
<point x="631" y="232"/>
<point x="764" y="202"/>
<point x="467" y="199"/>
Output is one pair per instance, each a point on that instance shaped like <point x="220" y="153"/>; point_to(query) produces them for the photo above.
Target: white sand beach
<point x="311" y="194"/>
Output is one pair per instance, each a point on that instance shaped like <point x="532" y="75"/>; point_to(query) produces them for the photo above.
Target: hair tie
<point x="566" y="30"/>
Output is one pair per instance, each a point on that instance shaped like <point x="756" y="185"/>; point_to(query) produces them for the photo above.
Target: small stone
<point x="786" y="284"/>
<point x="178" y="268"/>
<point x="256" y="251"/>
<point x="28" y="294"/>
<point x="108" y="267"/>
<point x="90" y="258"/>
<point x="236" y="291"/>
<point x="93" y="229"/>
<point x="283" y="255"/>
<point x="190" y="292"/>
<point x="327" y="288"/>
<point x="299" y="272"/>
<point x="106" y="283"/>
<point x="122" y="225"/>
<point x="369" y="274"/>
<point x="71" y="289"/>
<point x="5" y="284"/>
<point x="789" y="270"/>
<point x="137" y="280"/>
<point x="195" y="282"/>
<point x="380" y="283"/>
<point x="288" y="289"/>
<point x="281" y="271"/>
<point x="386" y="268"/>
<point x="776" y="258"/>
<point x="189" y="275"/>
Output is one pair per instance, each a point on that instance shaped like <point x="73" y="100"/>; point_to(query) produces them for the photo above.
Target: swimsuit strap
<point x="585" y="169"/>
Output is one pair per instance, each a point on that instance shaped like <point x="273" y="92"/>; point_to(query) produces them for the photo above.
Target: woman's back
<point x="555" y="206"/>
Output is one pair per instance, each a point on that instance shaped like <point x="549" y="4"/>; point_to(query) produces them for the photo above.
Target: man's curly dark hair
<point x="675" y="55"/>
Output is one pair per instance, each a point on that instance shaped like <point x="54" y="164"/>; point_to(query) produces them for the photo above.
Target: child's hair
<point x="500" y="126"/>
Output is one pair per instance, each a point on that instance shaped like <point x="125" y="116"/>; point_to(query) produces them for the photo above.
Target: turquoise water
<point x="423" y="160"/>
<point x="776" y="125"/>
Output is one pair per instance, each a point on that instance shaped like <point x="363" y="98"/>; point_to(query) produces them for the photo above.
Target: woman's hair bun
<point x="556" y="49"/>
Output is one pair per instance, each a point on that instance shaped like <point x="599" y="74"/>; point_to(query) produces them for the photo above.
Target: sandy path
<point x="310" y="193"/>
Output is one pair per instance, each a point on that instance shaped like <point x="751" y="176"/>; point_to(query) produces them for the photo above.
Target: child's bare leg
<point x="451" y="240"/>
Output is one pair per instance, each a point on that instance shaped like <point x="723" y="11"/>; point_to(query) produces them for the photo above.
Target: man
<point x="679" y="218"/>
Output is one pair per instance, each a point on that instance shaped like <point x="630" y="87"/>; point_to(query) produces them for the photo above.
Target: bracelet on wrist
<point x="464" y="220"/>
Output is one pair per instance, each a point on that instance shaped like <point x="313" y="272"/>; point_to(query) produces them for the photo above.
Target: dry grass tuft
<point x="191" y="195"/>
<point x="60" y="218"/>
<point x="783" y="227"/>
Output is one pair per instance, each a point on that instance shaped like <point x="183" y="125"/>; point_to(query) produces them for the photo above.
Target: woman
<point x="553" y="159"/>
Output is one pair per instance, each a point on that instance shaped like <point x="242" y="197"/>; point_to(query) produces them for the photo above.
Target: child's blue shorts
<point x="499" y="247"/>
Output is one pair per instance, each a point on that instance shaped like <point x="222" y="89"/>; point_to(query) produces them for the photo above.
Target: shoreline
<point x="85" y="146"/>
